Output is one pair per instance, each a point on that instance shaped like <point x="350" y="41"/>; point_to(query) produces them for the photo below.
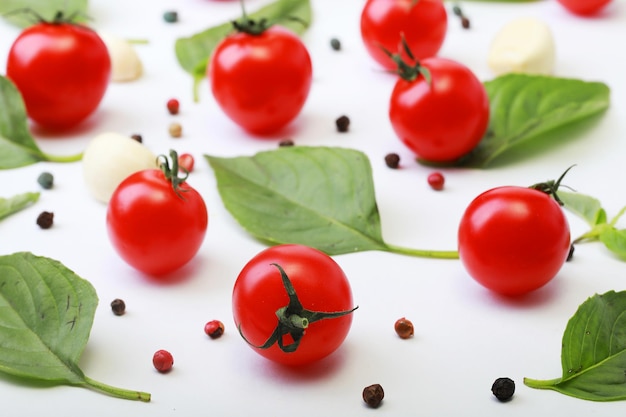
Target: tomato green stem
<point x="63" y="159"/>
<point x="423" y="253"/>
<point x="118" y="392"/>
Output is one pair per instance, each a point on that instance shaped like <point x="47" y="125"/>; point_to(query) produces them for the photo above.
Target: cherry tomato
<point x="513" y="240"/>
<point x="422" y="23"/>
<point x="154" y="225"/>
<point x="261" y="81"/>
<point x="260" y="296"/>
<point x="584" y="7"/>
<point x="62" y="70"/>
<point x="444" y="119"/>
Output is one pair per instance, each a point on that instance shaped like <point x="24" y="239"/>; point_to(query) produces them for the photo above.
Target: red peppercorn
<point x="173" y="106"/>
<point x="436" y="181"/>
<point x="404" y="328"/>
<point x="186" y="162"/>
<point x="163" y="361"/>
<point x="214" y="329"/>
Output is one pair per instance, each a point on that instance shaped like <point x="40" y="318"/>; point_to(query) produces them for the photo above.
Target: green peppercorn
<point x="46" y="180"/>
<point x="170" y="16"/>
<point x="335" y="44"/>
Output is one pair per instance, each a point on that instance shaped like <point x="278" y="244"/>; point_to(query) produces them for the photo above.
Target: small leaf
<point x="593" y="355"/>
<point x="615" y="241"/>
<point x="525" y="108"/>
<point x="16" y="203"/>
<point x="321" y="197"/>
<point x="586" y="207"/>
<point x="46" y="314"/>
<point x="193" y="52"/>
<point x="16" y="12"/>
<point x="17" y="146"/>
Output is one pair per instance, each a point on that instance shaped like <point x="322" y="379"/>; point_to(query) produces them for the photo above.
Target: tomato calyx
<point x="256" y="27"/>
<point x="405" y="70"/>
<point x="551" y="187"/>
<point x="59" y="17"/>
<point x="171" y="172"/>
<point x="293" y="319"/>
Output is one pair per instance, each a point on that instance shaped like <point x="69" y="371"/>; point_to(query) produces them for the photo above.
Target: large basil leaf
<point x="193" y="52"/>
<point x="321" y="197"/>
<point x="16" y="203"/>
<point x="26" y="12"/>
<point x="593" y="355"/>
<point x="46" y="314"/>
<point x="17" y="146"/>
<point x="524" y="108"/>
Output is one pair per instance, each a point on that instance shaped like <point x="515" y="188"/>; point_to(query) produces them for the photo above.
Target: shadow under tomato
<point x="541" y="296"/>
<point x="178" y="276"/>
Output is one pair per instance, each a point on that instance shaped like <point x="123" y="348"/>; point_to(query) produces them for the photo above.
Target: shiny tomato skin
<point x="261" y="81"/>
<point x="513" y="240"/>
<point x="152" y="228"/>
<point x="444" y="120"/>
<point x="62" y="71"/>
<point x="584" y="7"/>
<point x="423" y="24"/>
<point x="320" y="284"/>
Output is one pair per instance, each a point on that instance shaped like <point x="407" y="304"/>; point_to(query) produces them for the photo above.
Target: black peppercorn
<point x="392" y="160"/>
<point x="137" y="137"/>
<point x="46" y="180"/>
<point x="373" y="395"/>
<point x="118" y="307"/>
<point x="335" y="44"/>
<point x="503" y="389"/>
<point x="342" y="123"/>
<point x="286" y="142"/>
<point x="45" y="219"/>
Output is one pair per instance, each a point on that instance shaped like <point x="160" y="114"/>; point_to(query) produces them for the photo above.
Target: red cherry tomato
<point x="443" y="120"/>
<point x="153" y="227"/>
<point x="319" y="284"/>
<point x="584" y="7"/>
<point x="423" y="25"/>
<point x="513" y="240"/>
<point x="261" y="81"/>
<point x="62" y="71"/>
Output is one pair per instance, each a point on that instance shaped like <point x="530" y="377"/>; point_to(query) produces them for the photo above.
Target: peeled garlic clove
<point x="109" y="159"/>
<point x="125" y="63"/>
<point x="524" y="45"/>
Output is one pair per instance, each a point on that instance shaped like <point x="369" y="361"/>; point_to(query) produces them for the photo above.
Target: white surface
<point x="465" y="337"/>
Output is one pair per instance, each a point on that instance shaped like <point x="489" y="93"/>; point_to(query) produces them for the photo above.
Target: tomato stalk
<point x="293" y="319"/>
<point x="406" y="71"/>
<point x="171" y="173"/>
<point x="256" y="27"/>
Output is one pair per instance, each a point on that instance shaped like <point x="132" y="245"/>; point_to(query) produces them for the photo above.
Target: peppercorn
<point x="176" y="130"/>
<point x="503" y="389"/>
<point x="373" y="395"/>
<point x="163" y="361"/>
<point x="286" y="142"/>
<point x="404" y="328"/>
<point x="214" y="329"/>
<point x="170" y="16"/>
<point x="46" y="180"/>
<point x="436" y="180"/>
<point x="137" y="137"/>
<point x="45" y="219"/>
<point x="335" y="44"/>
<point x="342" y="123"/>
<point x="173" y="106"/>
<point x="118" y="307"/>
<point x="465" y="23"/>
<point x="392" y="160"/>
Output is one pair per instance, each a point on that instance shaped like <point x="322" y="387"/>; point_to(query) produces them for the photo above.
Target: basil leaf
<point x="321" y="197"/>
<point x="193" y="52"/>
<point x="26" y="12"/>
<point x="593" y="356"/>
<point x="615" y="241"/>
<point x="526" y="107"/>
<point x="17" y="146"/>
<point x="46" y="314"/>
<point x="586" y="207"/>
<point x="16" y="203"/>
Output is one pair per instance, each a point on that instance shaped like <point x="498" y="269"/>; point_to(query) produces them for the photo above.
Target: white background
<point x="465" y="336"/>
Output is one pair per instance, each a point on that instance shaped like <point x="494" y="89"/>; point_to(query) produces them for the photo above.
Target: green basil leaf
<point x="46" y="314"/>
<point x="26" y="12"/>
<point x="321" y="197"/>
<point x="525" y="108"/>
<point x="615" y="241"/>
<point x="593" y="355"/>
<point x="17" y="146"/>
<point x="193" y="52"/>
<point x="16" y="203"/>
<point x="586" y="207"/>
